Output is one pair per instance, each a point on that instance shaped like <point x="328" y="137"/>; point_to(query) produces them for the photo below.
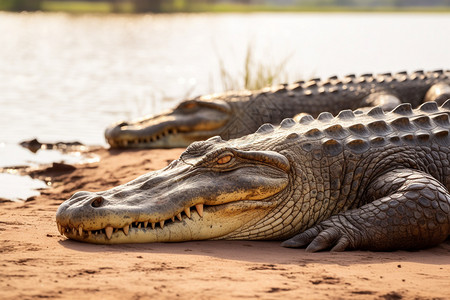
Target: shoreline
<point x="23" y="166"/>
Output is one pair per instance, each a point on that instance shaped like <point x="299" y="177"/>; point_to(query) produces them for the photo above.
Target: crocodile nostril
<point x="121" y="124"/>
<point x="97" y="201"/>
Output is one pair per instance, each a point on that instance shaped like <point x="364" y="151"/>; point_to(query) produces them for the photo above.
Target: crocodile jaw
<point x="215" y="222"/>
<point x="193" y="120"/>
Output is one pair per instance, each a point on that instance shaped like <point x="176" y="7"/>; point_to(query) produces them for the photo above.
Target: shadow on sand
<point x="270" y="252"/>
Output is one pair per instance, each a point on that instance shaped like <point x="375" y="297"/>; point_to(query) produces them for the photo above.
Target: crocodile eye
<point x="225" y="159"/>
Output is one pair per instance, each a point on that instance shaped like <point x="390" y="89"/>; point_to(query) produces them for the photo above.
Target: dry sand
<point x="36" y="262"/>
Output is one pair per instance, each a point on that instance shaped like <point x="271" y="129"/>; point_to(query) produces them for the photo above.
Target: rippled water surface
<point x="66" y="77"/>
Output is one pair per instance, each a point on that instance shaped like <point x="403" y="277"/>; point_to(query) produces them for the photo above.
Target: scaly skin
<point x="236" y="114"/>
<point x="375" y="180"/>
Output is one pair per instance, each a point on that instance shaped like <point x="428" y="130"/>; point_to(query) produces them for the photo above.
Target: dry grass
<point x="255" y="74"/>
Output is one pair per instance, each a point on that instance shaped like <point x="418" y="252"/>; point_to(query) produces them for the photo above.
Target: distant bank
<point x="186" y="6"/>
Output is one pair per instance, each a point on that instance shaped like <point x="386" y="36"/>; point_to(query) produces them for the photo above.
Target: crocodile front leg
<point x="409" y="209"/>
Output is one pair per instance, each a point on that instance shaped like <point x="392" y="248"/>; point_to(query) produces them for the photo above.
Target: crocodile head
<point x="215" y="190"/>
<point x="191" y="120"/>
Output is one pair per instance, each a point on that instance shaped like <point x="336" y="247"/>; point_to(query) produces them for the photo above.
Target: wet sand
<point x="37" y="262"/>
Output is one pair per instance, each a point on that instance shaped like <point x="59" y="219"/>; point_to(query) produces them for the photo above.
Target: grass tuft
<point x="255" y="74"/>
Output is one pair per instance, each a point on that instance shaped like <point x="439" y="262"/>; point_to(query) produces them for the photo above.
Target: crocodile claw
<point x="319" y="238"/>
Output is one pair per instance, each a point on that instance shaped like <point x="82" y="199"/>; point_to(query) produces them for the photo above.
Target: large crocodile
<point x="374" y="180"/>
<point x="236" y="114"/>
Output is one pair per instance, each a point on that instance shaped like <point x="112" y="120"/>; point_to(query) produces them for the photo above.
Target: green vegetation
<point x="76" y="6"/>
<point x="20" y="5"/>
<point x="167" y="6"/>
<point x="242" y="8"/>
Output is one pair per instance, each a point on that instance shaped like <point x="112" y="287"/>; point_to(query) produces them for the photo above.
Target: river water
<point x="66" y="77"/>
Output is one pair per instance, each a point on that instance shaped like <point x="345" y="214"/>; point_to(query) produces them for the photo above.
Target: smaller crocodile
<point x="235" y="114"/>
<point x="375" y="180"/>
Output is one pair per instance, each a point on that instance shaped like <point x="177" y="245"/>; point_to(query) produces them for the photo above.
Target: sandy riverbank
<point x="36" y="262"/>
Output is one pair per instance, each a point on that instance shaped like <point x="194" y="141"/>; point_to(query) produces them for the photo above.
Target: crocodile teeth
<point x="179" y="217"/>
<point x="161" y="224"/>
<point x="187" y="211"/>
<point x="139" y="226"/>
<point x="89" y="233"/>
<point x="145" y="224"/>
<point x="199" y="208"/>
<point x="173" y="219"/>
<point x="126" y="228"/>
<point x="109" y="231"/>
<point x="153" y="225"/>
<point x="80" y="230"/>
<point x="74" y="231"/>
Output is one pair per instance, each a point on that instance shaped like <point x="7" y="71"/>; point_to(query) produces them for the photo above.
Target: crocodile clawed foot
<point x="319" y="238"/>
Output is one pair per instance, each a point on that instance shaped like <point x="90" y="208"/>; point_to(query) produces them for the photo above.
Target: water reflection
<point x="18" y="188"/>
<point x="14" y="156"/>
<point x="15" y="161"/>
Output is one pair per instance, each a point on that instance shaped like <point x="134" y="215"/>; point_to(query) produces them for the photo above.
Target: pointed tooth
<point x="173" y="219"/>
<point x="161" y="224"/>
<point x="59" y="228"/>
<point x="89" y="233"/>
<point x="74" y="231"/>
<point x="199" y="208"/>
<point x="80" y="230"/>
<point x="136" y="223"/>
<point x="153" y="225"/>
<point x="126" y="229"/>
<point x="116" y="229"/>
<point x="109" y="231"/>
<point x="179" y="217"/>
<point x="187" y="211"/>
<point x="145" y="224"/>
<point x="139" y="225"/>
